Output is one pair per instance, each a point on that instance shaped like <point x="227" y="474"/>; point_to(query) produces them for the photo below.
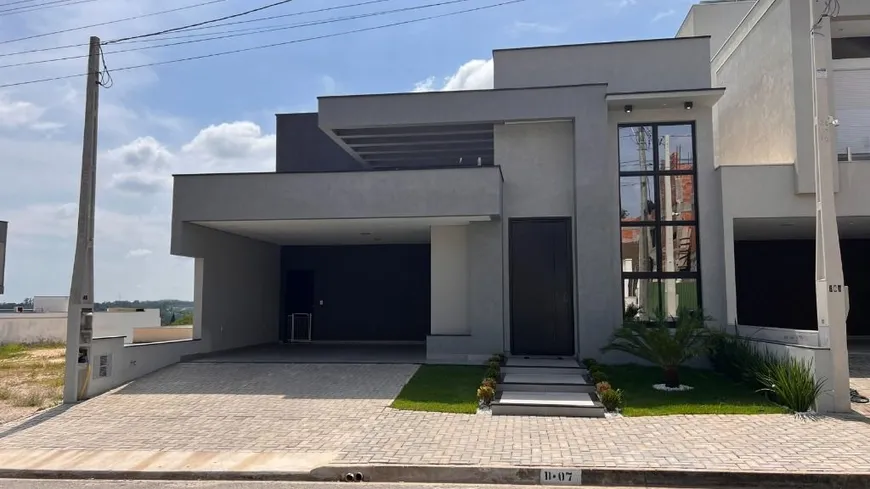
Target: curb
<point x="463" y="474"/>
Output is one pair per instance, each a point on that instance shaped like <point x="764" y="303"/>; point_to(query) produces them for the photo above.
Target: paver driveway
<point x="341" y="411"/>
<point x="222" y="407"/>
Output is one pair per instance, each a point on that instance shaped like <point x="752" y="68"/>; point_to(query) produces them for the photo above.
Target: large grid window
<point x="659" y="220"/>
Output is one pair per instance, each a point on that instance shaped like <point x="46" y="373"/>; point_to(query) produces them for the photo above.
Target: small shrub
<point x="594" y="368"/>
<point x="602" y="386"/>
<point x="498" y="357"/>
<point x="612" y="399"/>
<point x="485" y="394"/>
<point x="495" y="364"/>
<point x="492" y="373"/>
<point x="11" y="350"/>
<point x="31" y="398"/>
<point x="598" y="376"/>
<point x="792" y="383"/>
<point x="590" y="362"/>
<point x="489" y="383"/>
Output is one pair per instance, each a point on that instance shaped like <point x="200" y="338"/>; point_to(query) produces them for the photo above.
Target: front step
<point x="570" y="404"/>
<point x="522" y="382"/>
<point x="575" y="370"/>
<point x="531" y="362"/>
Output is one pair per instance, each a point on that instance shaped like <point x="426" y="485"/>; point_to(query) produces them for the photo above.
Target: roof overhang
<point x="705" y="97"/>
<point x="453" y="128"/>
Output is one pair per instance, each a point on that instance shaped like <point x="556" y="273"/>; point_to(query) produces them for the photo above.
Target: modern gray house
<point x="523" y="219"/>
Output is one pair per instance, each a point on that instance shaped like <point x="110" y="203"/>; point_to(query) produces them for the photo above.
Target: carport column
<point x="198" y="265"/>
<point x="449" y="290"/>
<point x="730" y="271"/>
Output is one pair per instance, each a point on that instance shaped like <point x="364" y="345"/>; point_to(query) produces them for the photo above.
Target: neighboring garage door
<point x="361" y="292"/>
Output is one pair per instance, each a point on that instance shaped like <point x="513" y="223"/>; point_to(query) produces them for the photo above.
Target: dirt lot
<point x="31" y="378"/>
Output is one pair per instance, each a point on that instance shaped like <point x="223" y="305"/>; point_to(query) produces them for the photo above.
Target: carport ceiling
<point x="784" y="228"/>
<point x="310" y="232"/>
<point x="415" y="146"/>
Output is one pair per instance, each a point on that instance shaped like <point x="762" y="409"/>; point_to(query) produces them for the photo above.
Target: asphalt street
<point x="53" y="484"/>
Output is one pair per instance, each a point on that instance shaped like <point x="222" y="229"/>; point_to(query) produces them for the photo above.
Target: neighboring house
<point x="474" y="221"/>
<point x="765" y="148"/>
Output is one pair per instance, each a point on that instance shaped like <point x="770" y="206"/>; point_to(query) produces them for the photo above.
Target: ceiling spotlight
<point x="628" y="109"/>
<point x="365" y="234"/>
<point x="689" y="105"/>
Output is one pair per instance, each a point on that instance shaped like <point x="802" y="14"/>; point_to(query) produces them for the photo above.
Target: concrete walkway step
<point x="542" y="362"/>
<point x="525" y="403"/>
<point x="544" y="370"/>
<point x="544" y="383"/>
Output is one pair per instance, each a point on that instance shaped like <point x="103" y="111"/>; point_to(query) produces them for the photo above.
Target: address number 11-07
<point x="560" y="477"/>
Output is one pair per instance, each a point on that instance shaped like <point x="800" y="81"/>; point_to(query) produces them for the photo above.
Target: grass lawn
<point x="712" y="394"/>
<point x="31" y="378"/>
<point x="442" y="389"/>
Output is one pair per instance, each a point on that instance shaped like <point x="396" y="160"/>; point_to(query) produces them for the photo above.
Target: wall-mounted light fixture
<point x="628" y="109"/>
<point x="689" y="105"/>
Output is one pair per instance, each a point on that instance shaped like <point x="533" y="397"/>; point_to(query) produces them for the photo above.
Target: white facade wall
<point x="51" y="327"/>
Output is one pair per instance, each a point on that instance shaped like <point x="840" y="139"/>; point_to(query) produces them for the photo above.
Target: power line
<point x="43" y="6"/>
<point x="272" y="45"/>
<point x="260" y="30"/>
<point x="125" y="19"/>
<point x="219" y="19"/>
<point x="294" y="14"/>
<point x="272" y="17"/>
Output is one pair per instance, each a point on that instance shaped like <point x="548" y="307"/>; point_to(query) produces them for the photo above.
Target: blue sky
<point x="217" y="114"/>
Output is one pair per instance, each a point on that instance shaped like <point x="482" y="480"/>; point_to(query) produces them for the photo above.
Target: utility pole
<point x="643" y="238"/>
<point x="79" y="324"/>
<point x="831" y="292"/>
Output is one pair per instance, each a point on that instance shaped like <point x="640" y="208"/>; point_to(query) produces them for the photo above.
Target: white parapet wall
<point x="114" y="363"/>
<point x="162" y="333"/>
<point x="818" y="358"/>
<point x="36" y="327"/>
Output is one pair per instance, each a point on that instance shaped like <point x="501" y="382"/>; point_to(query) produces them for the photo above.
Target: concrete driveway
<point x="296" y="409"/>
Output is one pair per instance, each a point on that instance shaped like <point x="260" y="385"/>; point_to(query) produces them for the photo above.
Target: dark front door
<point x="541" y="287"/>
<point x="300" y="299"/>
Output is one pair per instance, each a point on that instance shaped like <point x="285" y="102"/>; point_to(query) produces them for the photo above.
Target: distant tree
<point x="185" y="319"/>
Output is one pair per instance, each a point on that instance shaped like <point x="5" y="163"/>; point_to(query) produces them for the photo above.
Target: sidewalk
<point x="308" y="422"/>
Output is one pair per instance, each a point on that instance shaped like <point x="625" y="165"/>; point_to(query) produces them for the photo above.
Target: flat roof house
<point x="765" y="150"/>
<point x="521" y="219"/>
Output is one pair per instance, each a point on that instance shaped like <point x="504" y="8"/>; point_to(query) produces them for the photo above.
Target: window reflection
<point x="658" y="220"/>
<point x="636" y="149"/>
<point x="677" y="197"/>
<point x="676" y="147"/>
<point x="637" y="196"/>
<point x="639" y="253"/>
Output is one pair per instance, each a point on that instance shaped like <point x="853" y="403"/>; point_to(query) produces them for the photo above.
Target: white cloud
<point x="621" y="4"/>
<point x="663" y="15"/>
<point x="536" y="27"/>
<point x="18" y="113"/>
<point x="145" y="166"/>
<point x="138" y="252"/>
<point x="476" y="74"/>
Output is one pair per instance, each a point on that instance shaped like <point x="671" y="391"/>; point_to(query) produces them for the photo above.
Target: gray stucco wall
<point x="301" y="146"/>
<point x="665" y="64"/>
<point x="240" y="288"/>
<point x="756" y="115"/>
<point x="537" y="161"/>
<point x="472" y="191"/>
<point x="717" y="20"/>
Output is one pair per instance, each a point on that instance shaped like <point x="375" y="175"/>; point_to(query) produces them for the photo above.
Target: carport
<point x="349" y="253"/>
<point x="775" y="271"/>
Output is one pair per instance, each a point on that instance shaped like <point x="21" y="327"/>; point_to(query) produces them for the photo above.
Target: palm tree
<point x="659" y="343"/>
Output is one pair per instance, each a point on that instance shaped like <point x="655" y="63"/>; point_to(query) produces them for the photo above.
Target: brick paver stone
<point x="344" y="409"/>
